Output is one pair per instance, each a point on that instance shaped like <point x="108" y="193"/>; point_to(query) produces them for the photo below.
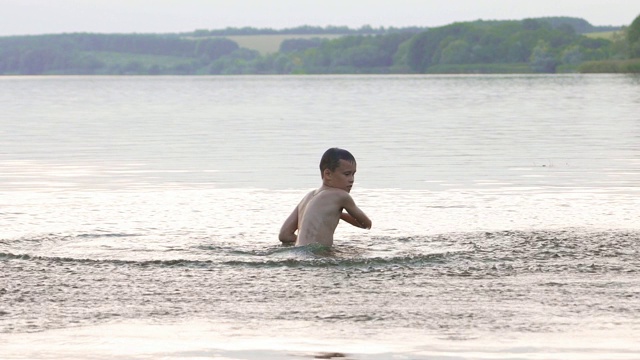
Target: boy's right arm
<point x="288" y="229"/>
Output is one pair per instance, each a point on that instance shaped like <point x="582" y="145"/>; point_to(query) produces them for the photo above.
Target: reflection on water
<point x="409" y="132"/>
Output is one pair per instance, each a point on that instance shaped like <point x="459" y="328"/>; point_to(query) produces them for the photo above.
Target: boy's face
<point x="343" y="177"/>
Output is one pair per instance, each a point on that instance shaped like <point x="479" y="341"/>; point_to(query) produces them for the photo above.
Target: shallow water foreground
<point x="205" y="340"/>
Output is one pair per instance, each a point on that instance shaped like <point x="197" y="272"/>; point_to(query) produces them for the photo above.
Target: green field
<point x="269" y="44"/>
<point x="608" y="35"/>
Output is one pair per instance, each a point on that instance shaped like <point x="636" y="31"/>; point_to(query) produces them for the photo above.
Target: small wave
<point x="408" y="260"/>
<point x="106" y="235"/>
<point x="536" y="244"/>
<point x="56" y="259"/>
<point x="460" y="254"/>
<point x="314" y="262"/>
<point x="48" y="238"/>
<point x="276" y="250"/>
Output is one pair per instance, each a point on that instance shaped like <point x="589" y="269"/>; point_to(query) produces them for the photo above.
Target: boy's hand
<point x="288" y="241"/>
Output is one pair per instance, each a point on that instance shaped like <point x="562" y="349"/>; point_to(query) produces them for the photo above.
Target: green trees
<point x="108" y="54"/>
<point x="501" y="42"/>
<point x="212" y="49"/>
<point x="542" y="59"/>
<point x="349" y="54"/>
<point x="240" y="61"/>
<point x="624" y="54"/>
<point x="633" y="38"/>
<point x="542" y="45"/>
<point x="425" y="48"/>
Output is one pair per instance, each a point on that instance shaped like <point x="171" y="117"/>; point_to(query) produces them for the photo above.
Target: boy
<point x="317" y="215"/>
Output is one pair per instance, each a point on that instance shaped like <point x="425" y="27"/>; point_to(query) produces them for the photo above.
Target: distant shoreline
<point x="541" y="45"/>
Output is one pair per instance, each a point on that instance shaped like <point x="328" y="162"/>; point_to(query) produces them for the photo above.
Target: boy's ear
<point x="326" y="174"/>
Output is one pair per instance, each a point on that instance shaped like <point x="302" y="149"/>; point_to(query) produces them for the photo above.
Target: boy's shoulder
<point x="333" y="193"/>
<point x="332" y="190"/>
<point x="326" y="195"/>
<point x="326" y="192"/>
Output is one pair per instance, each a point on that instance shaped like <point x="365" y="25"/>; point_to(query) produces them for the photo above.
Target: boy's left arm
<point x="351" y="220"/>
<point x="354" y="216"/>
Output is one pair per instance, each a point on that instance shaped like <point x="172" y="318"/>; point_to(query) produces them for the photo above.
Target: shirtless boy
<point x="317" y="215"/>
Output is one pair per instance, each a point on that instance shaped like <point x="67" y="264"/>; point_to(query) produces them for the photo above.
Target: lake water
<point x="139" y="217"/>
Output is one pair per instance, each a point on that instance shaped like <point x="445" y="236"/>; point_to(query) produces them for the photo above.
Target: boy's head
<point x="331" y="159"/>
<point x="337" y="169"/>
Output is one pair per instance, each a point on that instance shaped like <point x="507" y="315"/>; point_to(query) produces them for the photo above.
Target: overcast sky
<point x="22" y="17"/>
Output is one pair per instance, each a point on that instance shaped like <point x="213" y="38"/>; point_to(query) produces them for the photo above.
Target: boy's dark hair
<point x="331" y="159"/>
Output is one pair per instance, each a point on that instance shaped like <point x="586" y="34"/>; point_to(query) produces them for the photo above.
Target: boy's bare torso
<point x="318" y="216"/>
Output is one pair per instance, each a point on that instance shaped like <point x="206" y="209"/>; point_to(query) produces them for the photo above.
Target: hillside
<point x="529" y="45"/>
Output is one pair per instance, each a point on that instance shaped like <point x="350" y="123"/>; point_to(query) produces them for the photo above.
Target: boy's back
<point x="318" y="216"/>
<point x="318" y="213"/>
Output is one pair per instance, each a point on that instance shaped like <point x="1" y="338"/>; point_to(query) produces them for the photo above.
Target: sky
<point x="30" y="17"/>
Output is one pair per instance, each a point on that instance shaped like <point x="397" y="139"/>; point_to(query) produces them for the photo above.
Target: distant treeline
<point x="108" y="54"/>
<point x="536" y="43"/>
<point x="581" y="26"/>
<point x="305" y="30"/>
<point x="544" y="45"/>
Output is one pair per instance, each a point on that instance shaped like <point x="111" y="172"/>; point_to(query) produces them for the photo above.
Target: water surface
<point x="504" y="215"/>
